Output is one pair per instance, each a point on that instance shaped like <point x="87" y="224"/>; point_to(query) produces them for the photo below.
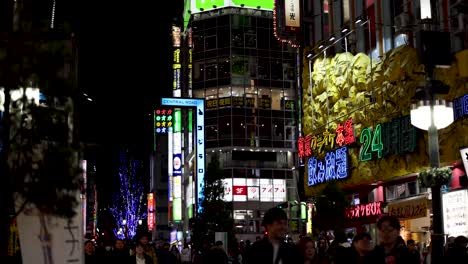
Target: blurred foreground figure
<point x="273" y="248"/>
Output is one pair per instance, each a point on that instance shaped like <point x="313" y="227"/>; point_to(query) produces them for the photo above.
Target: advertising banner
<point x="242" y="190"/>
<point x="409" y="209"/>
<point x="205" y="5"/>
<point x="455" y="211"/>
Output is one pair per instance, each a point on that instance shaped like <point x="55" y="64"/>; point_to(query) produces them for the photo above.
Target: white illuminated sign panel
<point x="227" y="190"/>
<point x="455" y="211"/>
<point x="253" y="193"/>
<point x="292" y="15"/>
<point x="199" y="104"/>
<point x="265" y="190"/>
<point x="464" y="156"/>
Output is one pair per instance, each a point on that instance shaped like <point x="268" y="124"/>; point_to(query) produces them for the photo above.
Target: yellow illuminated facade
<point x="346" y="83"/>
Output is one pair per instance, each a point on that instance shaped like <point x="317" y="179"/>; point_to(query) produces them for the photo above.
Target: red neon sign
<point x="150" y="211"/>
<point x="344" y="135"/>
<point x="364" y="210"/>
<point x="151" y="221"/>
<point x="239" y="190"/>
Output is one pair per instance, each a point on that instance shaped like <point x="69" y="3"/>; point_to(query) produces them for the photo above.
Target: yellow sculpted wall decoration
<point x="350" y="81"/>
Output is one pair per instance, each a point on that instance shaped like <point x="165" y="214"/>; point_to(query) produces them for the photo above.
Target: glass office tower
<point x="248" y="79"/>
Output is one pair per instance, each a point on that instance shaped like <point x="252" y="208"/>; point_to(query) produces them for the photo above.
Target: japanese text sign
<point x="409" y="209"/>
<point x="316" y="145"/>
<point x="334" y="167"/>
<point x="364" y="210"/>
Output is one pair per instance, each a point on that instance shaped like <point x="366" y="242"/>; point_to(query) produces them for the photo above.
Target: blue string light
<point x="127" y="204"/>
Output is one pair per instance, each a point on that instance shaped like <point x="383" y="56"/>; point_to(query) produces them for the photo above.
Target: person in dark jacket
<point x="458" y="253"/>
<point x="216" y="254"/>
<point x="389" y="251"/>
<point x="358" y="252"/>
<point x="273" y="249"/>
<point x="140" y="256"/>
<point x="414" y="253"/>
<point x="121" y="253"/>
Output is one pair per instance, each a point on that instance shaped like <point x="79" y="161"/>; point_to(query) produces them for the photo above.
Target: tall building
<point x="248" y="79"/>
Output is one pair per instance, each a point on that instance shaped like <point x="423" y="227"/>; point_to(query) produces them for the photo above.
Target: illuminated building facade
<point x="248" y="79"/>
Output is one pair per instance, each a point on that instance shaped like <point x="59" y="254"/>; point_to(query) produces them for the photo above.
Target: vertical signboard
<point x="176" y="63"/>
<point x="190" y="46"/>
<point x="292" y="15"/>
<point x="310" y="210"/>
<point x="83" y="194"/>
<point x="151" y="218"/>
<point x="199" y="105"/>
<point x="169" y="163"/>
<point x="177" y="166"/>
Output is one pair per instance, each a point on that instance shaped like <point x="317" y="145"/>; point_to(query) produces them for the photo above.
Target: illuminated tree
<point x="128" y="203"/>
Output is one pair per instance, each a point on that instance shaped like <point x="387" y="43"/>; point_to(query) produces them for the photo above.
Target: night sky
<point x="125" y="68"/>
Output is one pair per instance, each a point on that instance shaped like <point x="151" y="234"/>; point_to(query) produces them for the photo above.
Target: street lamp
<point x="432" y="115"/>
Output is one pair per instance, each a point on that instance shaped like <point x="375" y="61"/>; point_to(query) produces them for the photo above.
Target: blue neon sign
<point x="460" y="107"/>
<point x="199" y="104"/>
<point x="334" y="167"/>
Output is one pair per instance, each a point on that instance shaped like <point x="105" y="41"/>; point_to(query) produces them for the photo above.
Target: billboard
<point x="199" y="104"/>
<point x="265" y="190"/>
<point x="197" y="6"/>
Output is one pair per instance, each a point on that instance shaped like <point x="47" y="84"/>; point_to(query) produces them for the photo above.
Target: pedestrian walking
<point x="273" y="249"/>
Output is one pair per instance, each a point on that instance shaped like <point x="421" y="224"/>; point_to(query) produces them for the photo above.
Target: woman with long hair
<point x="308" y="250"/>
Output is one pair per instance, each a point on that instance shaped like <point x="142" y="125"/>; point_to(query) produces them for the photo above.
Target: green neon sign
<point x="264" y="4"/>
<point x="208" y="4"/>
<point x="391" y="138"/>
<point x="177" y="121"/>
<point x="372" y="142"/>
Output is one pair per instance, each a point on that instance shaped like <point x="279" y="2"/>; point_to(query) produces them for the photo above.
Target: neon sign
<point x="343" y="135"/>
<point x="364" y="210"/>
<point x="391" y="138"/>
<point x="162" y="120"/>
<point x="334" y="167"/>
<point x="372" y="140"/>
<point x="199" y="104"/>
<point x="150" y="211"/>
<point x="460" y="107"/>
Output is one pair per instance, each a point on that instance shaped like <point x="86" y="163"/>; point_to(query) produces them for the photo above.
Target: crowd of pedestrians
<point x="274" y="248"/>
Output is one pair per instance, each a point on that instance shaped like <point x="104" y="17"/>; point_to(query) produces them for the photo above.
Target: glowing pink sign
<point x="364" y="210"/>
